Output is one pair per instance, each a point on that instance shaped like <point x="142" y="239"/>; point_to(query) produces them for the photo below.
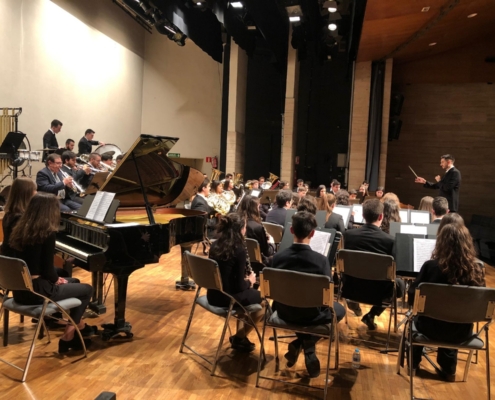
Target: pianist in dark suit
<point x="300" y="257"/>
<point x="440" y="208"/>
<point x="51" y="180"/>
<point x="277" y="214"/>
<point x="371" y="238"/>
<point x="85" y="145"/>
<point x="200" y="203"/>
<point x="50" y="138"/>
<point x="33" y="240"/>
<point x="230" y="252"/>
<point x="449" y="184"/>
<point x="454" y="263"/>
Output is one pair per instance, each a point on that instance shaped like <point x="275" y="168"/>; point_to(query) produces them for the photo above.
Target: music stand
<point x="9" y="148"/>
<point x="268" y="196"/>
<point x="97" y="182"/>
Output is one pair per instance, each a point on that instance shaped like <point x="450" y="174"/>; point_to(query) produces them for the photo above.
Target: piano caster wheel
<point x="111" y="332"/>
<point x="186" y="285"/>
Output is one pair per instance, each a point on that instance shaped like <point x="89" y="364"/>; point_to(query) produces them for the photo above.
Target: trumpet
<point x="75" y="186"/>
<point x="81" y="163"/>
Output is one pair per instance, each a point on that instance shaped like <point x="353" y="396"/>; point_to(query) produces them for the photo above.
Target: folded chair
<point x="14" y="275"/>
<point x="205" y="272"/>
<point x="451" y="303"/>
<point x="297" y="289"/>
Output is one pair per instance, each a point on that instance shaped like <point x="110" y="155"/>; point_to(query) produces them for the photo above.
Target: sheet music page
<point x="100" y="205"/>
<point x="423" y="248"/>
<point x="319" y="242"/>
<point x="403" y="215"/>
<point x="418" y="217"/>
<point x="344" y="211"/>
<point x="358" y="216"/>
<point x="413" y="229"/>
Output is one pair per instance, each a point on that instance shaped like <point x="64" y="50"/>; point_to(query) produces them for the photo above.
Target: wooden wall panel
<point x="439" y="119"/>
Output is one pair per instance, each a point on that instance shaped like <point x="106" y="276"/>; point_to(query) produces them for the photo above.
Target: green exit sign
<point x="174" y="155"/>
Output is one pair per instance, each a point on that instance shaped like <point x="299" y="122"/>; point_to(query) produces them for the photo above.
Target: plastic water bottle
<point x="356" y="359"/>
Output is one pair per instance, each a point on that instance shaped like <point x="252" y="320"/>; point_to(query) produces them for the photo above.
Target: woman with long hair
<point x="249" y="210"/>
<point x="390" y="214"/>
<point x="451" y="218"/>
<point x="453" y="262"/>
<point x="392" y="197"/>
<point x="321" y="191"/>
<point x="333" y="220"/>
<point x="33" y="240"/>
<point x="426" y="204"/>
<point x="21" y="192"/>
<point x="216" y="187"/>
<point x="229" y="251"/>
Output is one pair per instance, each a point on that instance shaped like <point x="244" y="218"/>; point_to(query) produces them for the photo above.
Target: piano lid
<point x="165" y="181"/>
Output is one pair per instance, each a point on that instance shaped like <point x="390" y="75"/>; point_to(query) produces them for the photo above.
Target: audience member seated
<point x="321" y="191"/>
<point x="390" y="214"/>
<point x="454" y="263"/>
<point x="277" y="214"/>
<point x="249" y="210"/>
<point x="33" y="240"/>
<point x="333" y="220"/>
<point x="439" y="208"/>
<point x="307" y="204"/>
<point x="426" y="204"/>
<point x="51" y="180"/>
<point x="379" y="192"/>
<point x="300" y="257"/>
<point x="371" y="238"/>
<point x="229" y="251"/>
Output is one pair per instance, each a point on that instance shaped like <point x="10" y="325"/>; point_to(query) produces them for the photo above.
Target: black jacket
<point x="46" y="183"/>
<point x="449" y="188"/>
<point x="199" y="203"/>
<point x="49" y="142"/>
<point x="336" y="222"/>
<point x="85" y="146"/>
<point x="277" y="216"/>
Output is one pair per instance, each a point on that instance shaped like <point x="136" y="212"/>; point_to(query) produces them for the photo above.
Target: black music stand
<point x="97" y="182"/>
<point x="9" y="149"/>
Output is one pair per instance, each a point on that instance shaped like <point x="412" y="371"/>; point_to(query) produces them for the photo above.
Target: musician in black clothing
<point x="50" y="138"/>
<point x="277" y="214"/>
<point x="86" y="143"/>
<point x="333" y="220"/>
<point x="334" y="186"/>
<point x="371" y="238"/>
<point x="200" y="203"/>
<point x="454" y="263"/>
<point x="300" y="257"/>
<point x="439" y="208"/>
<point x="81" y="176"/>
<point x="449" y="184"/>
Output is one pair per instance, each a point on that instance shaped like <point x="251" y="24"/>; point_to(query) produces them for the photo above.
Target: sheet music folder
<point x="109" y="210"/>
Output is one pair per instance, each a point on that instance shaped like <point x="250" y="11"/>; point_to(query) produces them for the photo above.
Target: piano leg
<point x="120" y="329"/>
<point x="96" y="303"/>
<point x="185" y="283"/>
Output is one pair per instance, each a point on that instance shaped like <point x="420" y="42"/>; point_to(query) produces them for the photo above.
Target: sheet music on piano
<point x="320" y="242"/>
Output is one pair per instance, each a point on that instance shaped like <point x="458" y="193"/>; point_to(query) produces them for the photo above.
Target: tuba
<point x="270" y="182"/>
<point x="215" y="174"/>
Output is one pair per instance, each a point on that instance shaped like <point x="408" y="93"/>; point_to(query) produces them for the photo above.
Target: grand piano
<point x="145" y="183"/>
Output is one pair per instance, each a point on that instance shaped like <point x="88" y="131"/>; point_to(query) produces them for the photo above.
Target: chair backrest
<point x="296" y="289"/>
<point x="321" y="218"/>
<point x="366" y="265"/>
<point x="287" y="238"/>
<point x="335" y="245"/>
<point x="288" y="216"/>
<point x="253" y="248"/>
<point x="204" y="271"/>
<point x="455" y="303"/>
<point x="14" y="274"/>
<point x="274" y="230"/>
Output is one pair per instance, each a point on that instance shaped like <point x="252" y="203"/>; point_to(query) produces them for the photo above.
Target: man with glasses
<point x="51" y="180"/>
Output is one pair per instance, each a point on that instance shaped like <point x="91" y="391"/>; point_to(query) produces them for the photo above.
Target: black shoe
<point x="74" y="344"/>
<point x="369" y="320"/>
<point x="355" y="308"/>
<point x="292" y="355"/>
<point x="446" y="377"/>
<point x="310" y="359"/>
<point x="241" y="344"/>
<point x="89" y="330"/>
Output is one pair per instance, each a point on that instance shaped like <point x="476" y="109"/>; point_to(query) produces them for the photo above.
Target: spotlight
<point x="295" y="18"/>
<point x="236" y="4"/>
<point x="331" y="5"/>
<point x="332" y="27"/>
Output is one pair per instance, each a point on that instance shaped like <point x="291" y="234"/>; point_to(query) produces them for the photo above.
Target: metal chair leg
<point x="325" y="389"/>
<point x="33" y="342"/>
<point x="409" y="365"/>
<point x="189" y="321"/>
<point x="468" y="363"/>
<point x="488" y="389"/>
<point x="214" y="366"/>
<point x="262" y="348"/>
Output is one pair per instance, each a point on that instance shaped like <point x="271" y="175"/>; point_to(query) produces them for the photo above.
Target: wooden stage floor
<point x="151" y="367"/>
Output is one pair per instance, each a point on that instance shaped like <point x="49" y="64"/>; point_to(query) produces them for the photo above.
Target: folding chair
<point x="254" y="253"/>
<point x="14" y="275"/>
<point x="205" y="272"/>
<point x="451" y="303"/>
<point x="297" y="289"/>
<point x="275" y="231"/>
<point x="374" y="268"/>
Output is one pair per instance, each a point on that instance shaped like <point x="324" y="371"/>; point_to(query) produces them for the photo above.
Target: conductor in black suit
<point x="371" y="238"/>
<point x="449" y="184"/>
<point x="51" y="180"/>
<point x="300" y="257"/>
<point x="50" y="138"/>
<point x="199" y="203"/>
<point x="85" y="145"/>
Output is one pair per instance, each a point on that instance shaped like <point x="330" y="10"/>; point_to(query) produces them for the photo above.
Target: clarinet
<point x="249" y="270"/>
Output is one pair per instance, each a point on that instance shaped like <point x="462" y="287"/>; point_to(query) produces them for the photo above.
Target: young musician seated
<point x="334" y="186"/>
<point x="453" y="262"/>
<point x="230" y="252"/>
<point x="33" y="240"/>
<point x="426" y="204"/>
<point x="333" y="220"/>
<point x="200" y="203"/>
<point x="379" y="192"/>
<point x="439" y="208"/>
<point x="390" y="214"/>
<point x="321" y="191"/>
<point x="249" y="210"/>
<point x="300" y="257"/>
<point x="277" y="214"/>
<point x="81" y="176"/>
<point x="307" y="204"/>
<point x="107" y="159"/>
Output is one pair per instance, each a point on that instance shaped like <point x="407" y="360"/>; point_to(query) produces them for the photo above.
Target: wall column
<point x="236" y="138"/>
<point x="289" y="126"/>
<point x="387" y="93"/>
